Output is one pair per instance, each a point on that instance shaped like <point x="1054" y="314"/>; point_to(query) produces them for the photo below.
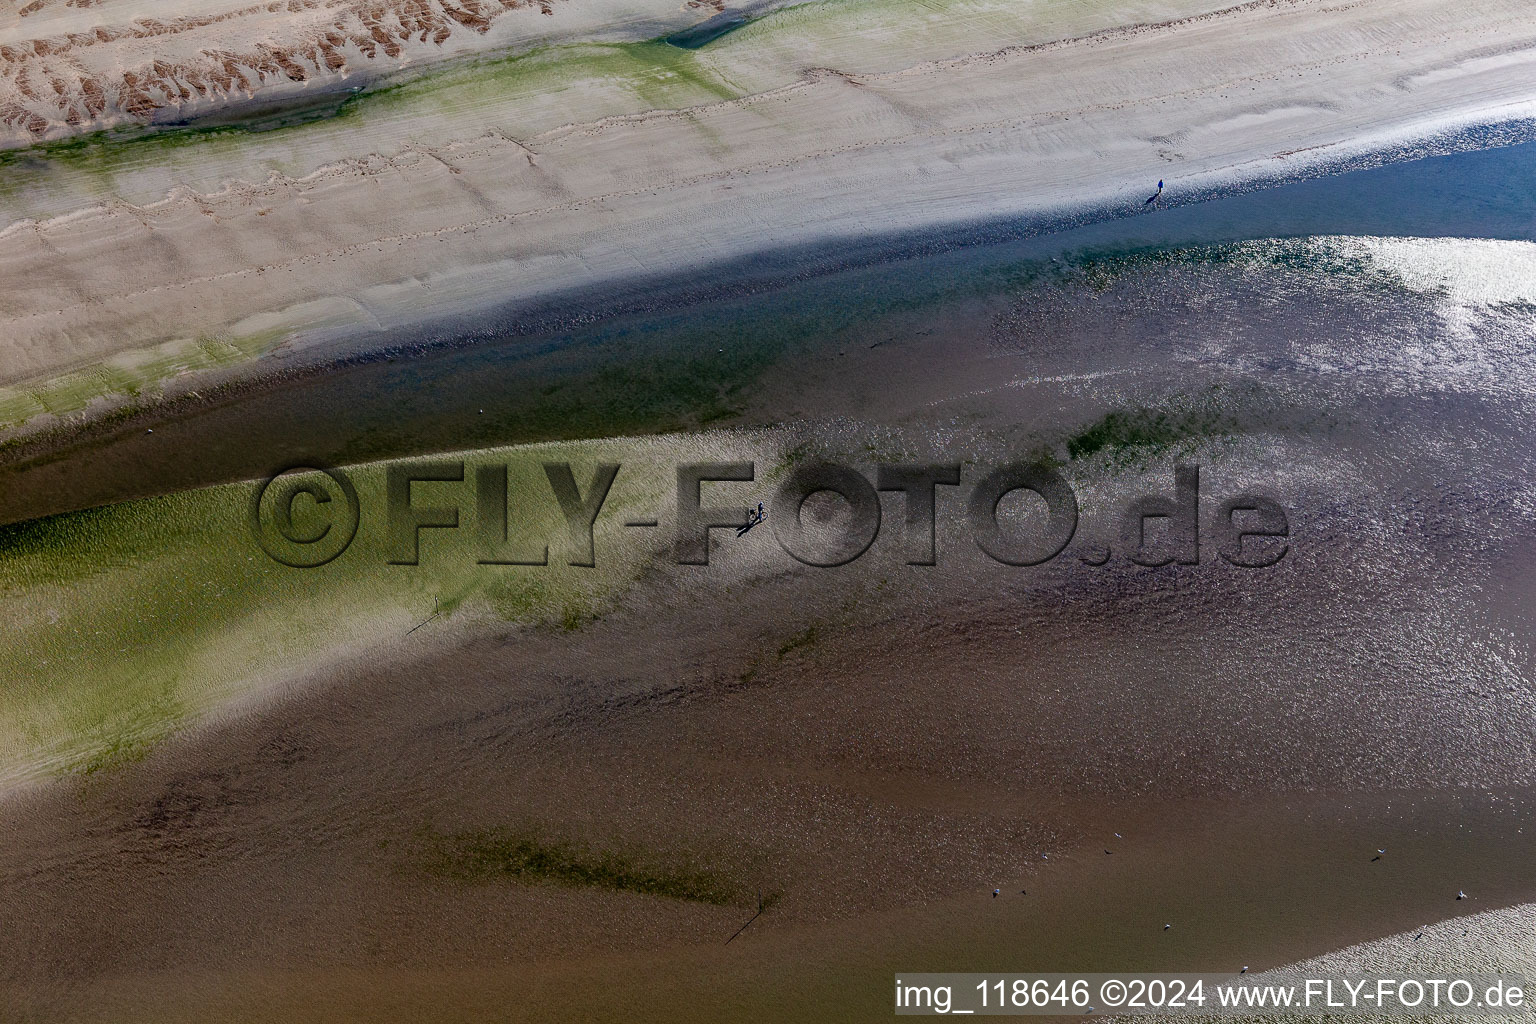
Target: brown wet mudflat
<point x="875" y="783"/>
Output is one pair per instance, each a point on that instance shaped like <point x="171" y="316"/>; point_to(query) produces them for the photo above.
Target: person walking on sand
<point x="1155" y="196"/>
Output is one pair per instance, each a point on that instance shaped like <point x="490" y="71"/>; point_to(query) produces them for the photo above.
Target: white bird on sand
<point x="1460" y="895"/>
<point x="1244" y="970"/>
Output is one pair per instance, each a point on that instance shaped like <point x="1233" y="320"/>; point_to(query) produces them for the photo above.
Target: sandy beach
<point x="470" y="783"/>
<point x="133" y="261"/>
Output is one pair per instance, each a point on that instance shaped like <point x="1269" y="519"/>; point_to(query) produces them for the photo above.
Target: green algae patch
<point x="126" y="623"/>
<point x="127" y="375"/>
<point x="805" y="638"/>
<point x="1125" y="434"/>
<point x="504" y="854"/>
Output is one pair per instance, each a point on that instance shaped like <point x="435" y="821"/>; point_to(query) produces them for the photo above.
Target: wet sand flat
<point x="875" y="748"/>
<point x="277" y="867"/>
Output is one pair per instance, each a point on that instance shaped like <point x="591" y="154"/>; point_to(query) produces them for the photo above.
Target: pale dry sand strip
<point x="836" y="155"/>
<point x="1495" y="942"/>
<point x="68" y="68"/>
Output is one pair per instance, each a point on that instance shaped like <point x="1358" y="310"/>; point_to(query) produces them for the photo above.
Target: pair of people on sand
<point x="754" y="516"/>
